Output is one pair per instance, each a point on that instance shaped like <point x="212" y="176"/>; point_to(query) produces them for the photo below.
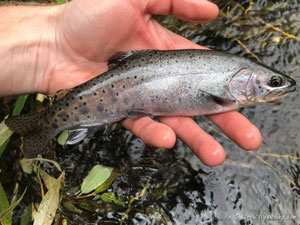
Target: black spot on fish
<point x="103" y="91"/>
<point x="112" y="86"/>
<point x="101" y="100"/>
<point x="84" y="110"/>
<point x="75" y="108"/>
<point x="95" y="93"/>
<point x="124" y="86"/>
<point x="63" y="116"/>
<point x="113" y="96"/>
<point x="80" y="97"/>
<point x="100" y="107"/>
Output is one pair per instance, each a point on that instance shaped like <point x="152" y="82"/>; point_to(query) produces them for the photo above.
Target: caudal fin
<point x="35" y="136"/>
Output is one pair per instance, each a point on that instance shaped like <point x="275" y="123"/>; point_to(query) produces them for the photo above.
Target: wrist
<point x="27" y="37"/>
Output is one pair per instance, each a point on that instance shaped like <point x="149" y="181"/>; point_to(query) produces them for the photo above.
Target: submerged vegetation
<point x="113" y="178"/>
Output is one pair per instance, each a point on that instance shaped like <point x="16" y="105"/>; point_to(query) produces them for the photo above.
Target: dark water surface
<point x="249" y="188"/>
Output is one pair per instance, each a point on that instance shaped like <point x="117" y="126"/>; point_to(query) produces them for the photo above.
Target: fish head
<point x="249" y="86"/>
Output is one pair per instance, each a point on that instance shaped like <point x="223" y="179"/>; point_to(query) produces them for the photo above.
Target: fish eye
<point x="276" y="81"/>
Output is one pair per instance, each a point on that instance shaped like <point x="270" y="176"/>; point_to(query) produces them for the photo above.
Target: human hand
<point x="88" y="32"/>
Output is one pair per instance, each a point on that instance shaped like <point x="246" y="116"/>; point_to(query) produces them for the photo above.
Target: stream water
<point x="249" y="188"/>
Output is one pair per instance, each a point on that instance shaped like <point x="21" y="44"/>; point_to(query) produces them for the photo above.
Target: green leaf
<point x="26" y="215"/>
<point x="48" y="180"/>
<point x="63" y="137"/>
<point x="97" y="176"/>
<point x="71" y="207"/>
<point x="119" y="201"/>
<point x="108" y="196"/>
<point x="114" y="175"/>
<point x="59" y="2"/>
<point x="5" y="133"/>
<point x="19" y="105"/>
<point x="30" y="161"/>
<point x="26" y="165"/>
<point x="111" y="197"/>
<point x="8" y="211"/>
<point x="47" y="209"/>
<point x="3" y="147"/>
<point x="4" y="205"/>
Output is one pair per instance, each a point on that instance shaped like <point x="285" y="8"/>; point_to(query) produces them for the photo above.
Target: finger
<point x="210" y="152"/>
<point x="238" y="128"/>
<point x="151" y="132"/>
<point x="198" y="11"/>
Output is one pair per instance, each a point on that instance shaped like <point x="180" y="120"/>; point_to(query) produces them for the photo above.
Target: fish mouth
<point x="293" y="84"/>
<point x="274" y="95"/>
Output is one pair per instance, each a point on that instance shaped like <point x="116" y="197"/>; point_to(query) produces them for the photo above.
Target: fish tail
<point x="35" y="136"/>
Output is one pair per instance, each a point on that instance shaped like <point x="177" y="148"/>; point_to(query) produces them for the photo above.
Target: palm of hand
<point x="89" y="32"/>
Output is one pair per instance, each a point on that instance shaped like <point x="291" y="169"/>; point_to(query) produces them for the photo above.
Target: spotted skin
<point x="151" y="82"/>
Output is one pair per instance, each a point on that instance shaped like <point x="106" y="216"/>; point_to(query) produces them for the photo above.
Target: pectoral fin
<point x="222" y="101"/>
<point x="137" y="113"/>
<point x="78" y="134"/>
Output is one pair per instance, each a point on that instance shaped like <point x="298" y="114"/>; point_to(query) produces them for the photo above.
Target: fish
<point x="188" y="82"/>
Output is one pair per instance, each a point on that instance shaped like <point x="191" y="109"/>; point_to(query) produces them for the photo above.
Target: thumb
<point x="198" y="11"/>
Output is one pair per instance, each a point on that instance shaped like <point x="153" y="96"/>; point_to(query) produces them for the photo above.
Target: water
<point x="249" y="188"/>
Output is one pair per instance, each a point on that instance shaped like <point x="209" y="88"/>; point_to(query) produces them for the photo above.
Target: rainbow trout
<point x="153" y="83"/>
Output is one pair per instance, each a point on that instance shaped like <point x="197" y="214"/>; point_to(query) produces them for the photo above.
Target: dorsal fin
<point x="119" y="57"/>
